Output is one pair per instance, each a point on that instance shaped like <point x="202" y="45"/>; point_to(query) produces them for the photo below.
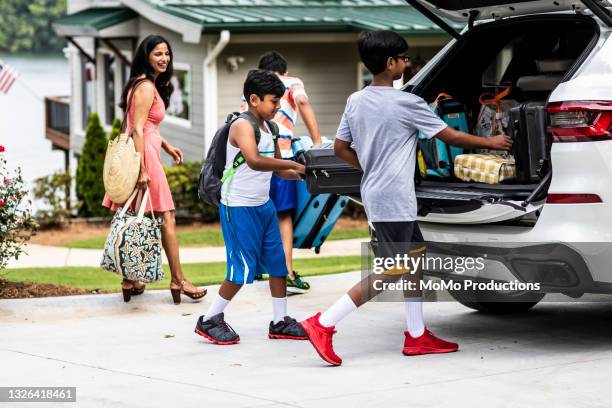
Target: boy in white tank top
<point x="248" y="217"/>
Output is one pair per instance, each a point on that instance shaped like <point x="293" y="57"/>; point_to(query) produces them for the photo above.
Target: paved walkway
<point x="50" y="256"/>
<point x="145" y="354"/>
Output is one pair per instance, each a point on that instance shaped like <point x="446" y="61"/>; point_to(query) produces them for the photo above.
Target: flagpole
<point x="30" y="90"/>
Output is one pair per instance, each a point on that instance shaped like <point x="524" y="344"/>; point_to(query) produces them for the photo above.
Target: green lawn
<point x="200" y="274"/>
<point x="205" y="238"/>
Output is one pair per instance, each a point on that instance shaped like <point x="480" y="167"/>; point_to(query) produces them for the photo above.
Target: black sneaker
<point x="288" y="328"/>
<point x="216" y="330"/>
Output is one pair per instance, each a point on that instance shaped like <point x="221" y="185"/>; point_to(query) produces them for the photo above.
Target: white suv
<point x="555" y="227"/>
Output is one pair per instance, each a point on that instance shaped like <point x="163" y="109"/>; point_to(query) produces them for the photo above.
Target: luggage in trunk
<point x="435" y="158"/>
<point x="327" y="173"/>
<point x="531" y="142"/>
<point x="315" y="217"/>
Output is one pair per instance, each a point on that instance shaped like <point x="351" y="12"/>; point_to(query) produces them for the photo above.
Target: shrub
<point x="16" y="222"/>
<point x="115" y="130"/>
<point x="51" y="190"/>
<point x="89" y="186"/>
<point x="183" y="181"/>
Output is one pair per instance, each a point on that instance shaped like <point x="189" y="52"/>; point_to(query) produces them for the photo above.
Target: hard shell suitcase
<point x="316" y="214"/>
<point x="435" y="157"/>
<point x="315" y="217"/>
<point x="327" y="173"/>
<point x="531" y="142"/>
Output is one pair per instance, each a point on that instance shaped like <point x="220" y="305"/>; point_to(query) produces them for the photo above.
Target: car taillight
<point x="580" y="121"/>
<point x="573" y="199"/>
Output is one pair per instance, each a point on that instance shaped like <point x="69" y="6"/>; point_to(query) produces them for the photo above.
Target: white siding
<point x="329" y="72"/>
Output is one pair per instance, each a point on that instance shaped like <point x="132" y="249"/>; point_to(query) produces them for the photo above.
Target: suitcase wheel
<point x="317" y="250"/>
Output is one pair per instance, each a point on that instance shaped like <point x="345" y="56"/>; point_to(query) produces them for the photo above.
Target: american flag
<point x="8" y="75"/>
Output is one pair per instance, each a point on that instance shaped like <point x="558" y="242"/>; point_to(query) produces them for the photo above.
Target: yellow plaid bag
<point x="484" y="168"/>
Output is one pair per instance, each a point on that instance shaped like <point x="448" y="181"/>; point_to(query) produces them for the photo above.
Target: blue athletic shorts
<point x="283" y="193"/>
<point x="252" y="242"/>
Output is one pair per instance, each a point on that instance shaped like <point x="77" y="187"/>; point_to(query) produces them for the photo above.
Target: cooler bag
<point x="484" y="168"/>
<point x="327" y="173"/>
<point x="435" y="157"/>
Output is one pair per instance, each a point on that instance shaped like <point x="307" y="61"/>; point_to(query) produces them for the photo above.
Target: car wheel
<point x="497" y="302"/>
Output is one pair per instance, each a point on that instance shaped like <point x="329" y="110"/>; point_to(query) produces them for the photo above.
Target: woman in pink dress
<point x="150" y="88"/>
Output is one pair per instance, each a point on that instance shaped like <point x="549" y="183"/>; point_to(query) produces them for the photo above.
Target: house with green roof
<point x="215" y="43"/>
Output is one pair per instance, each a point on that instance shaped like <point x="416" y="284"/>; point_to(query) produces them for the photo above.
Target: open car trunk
<point x="533" y="54"/>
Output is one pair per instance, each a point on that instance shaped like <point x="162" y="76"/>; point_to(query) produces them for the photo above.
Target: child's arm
<point x="344" y="151"/>
<point x="308" y="116"/>
<point x="457" y="138"/>
<point x="287" y="174"/>
<point x="242" y="135"/>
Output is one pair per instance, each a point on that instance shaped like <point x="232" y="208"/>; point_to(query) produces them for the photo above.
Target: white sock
<point x="339" y="310"/>
<point x="218" y="306"/>
<point x="414" y="316"/>
<point x="279" y="306"/>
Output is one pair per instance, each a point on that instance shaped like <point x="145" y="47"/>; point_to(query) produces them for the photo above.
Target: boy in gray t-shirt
<point x="383" y="123"/>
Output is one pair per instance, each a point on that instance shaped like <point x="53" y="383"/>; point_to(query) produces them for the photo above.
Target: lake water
<point x="22" y="113"/>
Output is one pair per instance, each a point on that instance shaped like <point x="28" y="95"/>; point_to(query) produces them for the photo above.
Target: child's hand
<point x="501" y="142"/>
<point x="300" y="170"/>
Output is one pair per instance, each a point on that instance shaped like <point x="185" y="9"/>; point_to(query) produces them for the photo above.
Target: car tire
<point x="496" y="302"/>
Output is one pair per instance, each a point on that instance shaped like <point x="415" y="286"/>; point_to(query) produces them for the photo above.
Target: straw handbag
<point x="122" y="161"/>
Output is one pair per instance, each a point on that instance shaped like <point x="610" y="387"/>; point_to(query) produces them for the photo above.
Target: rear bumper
<point x="557" y="267"/>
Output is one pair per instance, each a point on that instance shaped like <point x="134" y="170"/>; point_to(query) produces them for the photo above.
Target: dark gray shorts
<point x="393" y="237"/>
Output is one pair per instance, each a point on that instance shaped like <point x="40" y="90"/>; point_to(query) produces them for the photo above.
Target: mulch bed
<point x="21" y="290"/>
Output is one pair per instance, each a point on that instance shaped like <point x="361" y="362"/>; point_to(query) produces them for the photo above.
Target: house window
<point x="89" y="83"/>
<point x="179" y="108"/>
<point x="110" y="63"/>
<point x="364" y="77"/>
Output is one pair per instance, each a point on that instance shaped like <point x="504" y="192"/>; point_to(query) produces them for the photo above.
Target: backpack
<point x="211" y="175"/>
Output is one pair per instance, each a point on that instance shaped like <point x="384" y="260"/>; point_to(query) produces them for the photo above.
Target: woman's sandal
<point x="129" y="290"/>
<point x="176" y="293"/>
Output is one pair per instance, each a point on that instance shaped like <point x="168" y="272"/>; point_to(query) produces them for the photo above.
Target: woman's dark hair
<point x="375" y="47"/>
<point x="273" y="61"/>
<point x="141" y="65"/>
<point x="261" y="83"/>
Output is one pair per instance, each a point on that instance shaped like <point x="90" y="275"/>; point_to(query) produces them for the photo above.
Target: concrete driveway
<point x="145" y="354"/>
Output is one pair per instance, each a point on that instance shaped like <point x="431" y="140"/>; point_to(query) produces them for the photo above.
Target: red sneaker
<point x="321" y="339"/>
<point x="427" y="343"/>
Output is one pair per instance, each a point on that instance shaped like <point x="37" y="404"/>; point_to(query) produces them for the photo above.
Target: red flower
<point x="1" y="202"/>
<point x="2" y="148"/>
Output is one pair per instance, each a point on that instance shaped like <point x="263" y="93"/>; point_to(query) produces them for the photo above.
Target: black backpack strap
<point x="249" y="116"/>
<point x="274" y="129"/>
<point x="239" y="158"/>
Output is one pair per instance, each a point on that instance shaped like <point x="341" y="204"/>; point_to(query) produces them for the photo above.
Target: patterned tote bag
<point x="133" y="247"/>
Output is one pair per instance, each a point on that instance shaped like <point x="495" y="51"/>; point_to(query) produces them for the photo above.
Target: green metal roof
<point x="90" y="21"/>
<point x="300" y="15"/>
<point x="266" y="16"/>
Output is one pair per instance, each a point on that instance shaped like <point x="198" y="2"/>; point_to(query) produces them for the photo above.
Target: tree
<point x="89" y="185"/>
<point x="25" y="25"/>
<point x="16" y="222"/>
